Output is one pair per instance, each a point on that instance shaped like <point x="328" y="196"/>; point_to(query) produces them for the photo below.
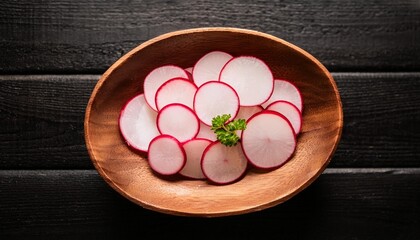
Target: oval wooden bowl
<point x="128" y="172"/>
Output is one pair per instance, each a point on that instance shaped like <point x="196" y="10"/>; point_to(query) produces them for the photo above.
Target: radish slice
<point x="177" y="90"/>
<point x="189" y="73"/>
<point x="178" y="121"/>
<point x="156" y="78"/>
<point x="209" y="66"/>
<point x="166" y="155"/>
<point x="194" y="149"/>
<point x="290" y="111"/>
<point x="206" y="132"/>
<point x="189" y="70"/>
<point x="245" y="113"/>
<point x="250" y="77"/>
<point x="137" y="123"/>
<point x="222" y="164"/>
<point x="215" y="98"/>
<point x="287" y="91"/>
<point x="268" y="140"/>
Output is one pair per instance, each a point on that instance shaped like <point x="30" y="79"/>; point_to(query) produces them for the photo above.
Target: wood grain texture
<point x="42" y="119"/>
<point x="341" y="204"/>
<point x="381" y="115"/>
<point x="87" y="37"/>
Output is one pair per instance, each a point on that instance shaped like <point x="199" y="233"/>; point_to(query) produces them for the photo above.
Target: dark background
<point x="53" y="52"/>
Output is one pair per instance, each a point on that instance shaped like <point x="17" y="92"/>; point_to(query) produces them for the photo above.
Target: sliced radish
<point x="189" y="73"/>
<point x="137" y="123"/>
<point x="290" y="111"/>
<point x="166" y="155"/>
<point x="206" y="132"/>
<point x="268" y="140"/>
<point x="157" y="77"/>
<point x="287" y="91"/>
<point x="250" y="77"/>
<point x="222" y="164"/>
<point x="172" y="119"/>
<point x="247" y="112"/>
<point x="194" y="149"/>
<point x="176" y="90"/>
<point x="178" y="121"/>
<point x="209" y="66"/>
<point x="215" y="98"/>
<point x="189" y="69"/>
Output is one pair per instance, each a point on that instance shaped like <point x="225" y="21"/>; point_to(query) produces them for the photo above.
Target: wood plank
<point x="342" y="203"/>
<point x="79" y="37"/>
<point x="381" y="116"/>
<point x="42" y="118"/>
<point x="42" y="121"/>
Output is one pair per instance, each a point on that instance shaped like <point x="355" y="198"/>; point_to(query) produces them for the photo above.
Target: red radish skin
<point x="290" y="111"/>
<point x="176" y="90"/>
<point x="189" y="70"/>
<point x="206" y="132"/>
<point x="223" y="165"/>
<point x="178" y="121"/>
<point x="194" y="149"/>
<point x="208" y="67"/>
<point x="137" y="123"/>
<point x="287" y="91"/>
<point x="166" y="155"/>
<point x="156" y="78"/>
<point x="268" y="140"/>
<point x="189" y="73"/>
<point x="250" y="77"/>
<point x="213" y="99"/>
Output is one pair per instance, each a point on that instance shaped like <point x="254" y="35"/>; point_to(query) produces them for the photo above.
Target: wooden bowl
<point x="128" y="172"/>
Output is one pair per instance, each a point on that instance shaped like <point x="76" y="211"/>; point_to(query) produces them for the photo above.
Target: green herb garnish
<point x="226" y="133"/>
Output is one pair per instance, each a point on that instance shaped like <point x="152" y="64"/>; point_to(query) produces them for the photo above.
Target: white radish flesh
<point x="178" y="121"/>
<point x="268" y="140"/>
<point x="213" y="99"/>
<point x="251" y="78"/>
<point x="166" y="155"/>
<point x="194" y="149"/>
<point x="247" y="112"/>
<point x="206" y="132"/>
<point x="177" y="90"/>
<point x="137" y="123"/>
<point x="222" y="164"/>
<point x="290" y="111"/>
<point x="287" y="91"/>
<point x="209" y="66"/>
<point x="157" y="77"/>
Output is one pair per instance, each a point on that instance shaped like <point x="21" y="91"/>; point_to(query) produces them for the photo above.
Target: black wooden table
<point x="53" y="52"/>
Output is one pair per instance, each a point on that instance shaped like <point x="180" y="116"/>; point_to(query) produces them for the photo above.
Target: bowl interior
<point x="128" y="172"/>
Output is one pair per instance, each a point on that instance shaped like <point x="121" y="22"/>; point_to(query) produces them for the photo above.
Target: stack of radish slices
<point x="172" y="119"/>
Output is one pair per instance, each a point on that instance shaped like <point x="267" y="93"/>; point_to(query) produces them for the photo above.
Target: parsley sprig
<point x="226" y="133"/>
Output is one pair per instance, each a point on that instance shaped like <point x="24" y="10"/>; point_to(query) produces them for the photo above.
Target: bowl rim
<point x="168" y="35"/>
